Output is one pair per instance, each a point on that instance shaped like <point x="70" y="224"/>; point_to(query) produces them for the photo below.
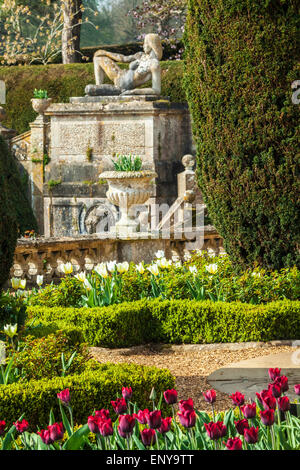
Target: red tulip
<point x="148" y="437"/>
<point x="234" y="444"/>
<point x="297" y="389"/>
<point x="241" y="425"/>
<point x="284" y="404"/>
<point x="21" y="426"/>
<point x="165" y="425"/>
<point x="153" y="419"/>
<point x="187" y="418"/>
<point x="283" y="382"/>
<point x="273" y="373"/>
<point x="120" y="406"/>
<point x="210" y="396"/>
<point x="45" y="436"/>
<point x="126" y="393"/>
<point x="214" y="430"/>
<point x="249" y="410"/>
<point x="64" y="396"/>
<point x="2" y="427"/>
<point x="222" y="428"/>
<point x="251" y="435"/>
<point x="93" y="424"/>
<point x="267" y="417"/>
<point x="275" y="389"/>
<point x="262" y="395"/>
<point x="269" y="402"/>
<point x="141" y="416"/>
<point x="106" y="428"/>
<point x="103" y="414"/>
<point x="171" y="396"/>
<point x="186" y="405"/>
<point x="238" y="398"/>
<point x="126" y="424"/>
<point x="56" y="431"/>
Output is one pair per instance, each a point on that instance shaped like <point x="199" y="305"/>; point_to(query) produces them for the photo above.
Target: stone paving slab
<point x="251" y="376"/>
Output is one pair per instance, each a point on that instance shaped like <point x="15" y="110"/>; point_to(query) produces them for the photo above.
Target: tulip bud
<point x="234" y="444"/>
<point x="103" y="414"/>
<point x="21" y="426"/>
<point x="187" y="418"/>
<point x="56" y="431"/>
<point x="64" y="396"/>
<point x="284" y="404"/>
<point x="148" y="437"/>
<point x="93" y="424"/>
<point x="297" y="389"/>
<point x="275" y="389"/>
<point x="165" y="425"/>
<point x="170" y="396"/>
<point x="106" y="428"/>
<point x="251" y="435"/>
<point x="120" y="405"/>
<point x="274" y="373"/>
<point x="213" y="430"/>
<point x="45" y="436"/>
<point x="238" y="398"/>
<point x="210" y="396"/>
<point x="154" y="419"/>
<point x="186" y="405"/>
<point x="126" y="424"/>
<point x="249" y="410"/>
<point x="141" y="416"/>
<point x="267" y="417"/>
<point x="269" y="402"/>
<point x="127" y="393"/>
<point x="153" y="394"/>
<point x="283" y="382"/>
<point x="241" y="425"/>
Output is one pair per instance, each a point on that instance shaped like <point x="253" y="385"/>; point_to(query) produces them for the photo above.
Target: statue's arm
<point x="118" y="57"/>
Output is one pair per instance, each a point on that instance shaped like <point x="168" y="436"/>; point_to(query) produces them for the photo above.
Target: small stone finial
<point x="188" y="162"/>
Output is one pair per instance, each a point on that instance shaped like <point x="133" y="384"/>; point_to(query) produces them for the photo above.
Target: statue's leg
<point x="105" y="66"/>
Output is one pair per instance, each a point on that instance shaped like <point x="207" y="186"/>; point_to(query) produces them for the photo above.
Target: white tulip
<point x="122" y="267"/>
<point x="66" y="268"/>
<point x="153" y="269"/>
<point x="39" y="280"/>
<point x="22" y="283"/>
<point x="10" y="330"/>
<point x="101" y="270"/>
<point x="193" y="270"/>
<point x="163" y="263"/>
<point x="81" y="276"/>
<point x="15" y="282"/>
<point x="111" y="265"/>
<point x="160" y="254"/>
<point x="140" y="268"/>
<point x="178" y="264"/>
<point x="87" y="285"/>
<point x="211" y="268"/>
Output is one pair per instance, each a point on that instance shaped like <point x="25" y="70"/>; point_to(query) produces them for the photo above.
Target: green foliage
<point x="40" y="94"/>
<point x="63" y="81"/>
<point x="178" y="321"/>
<point x="12" y="310"/>
<point x="240" y="62"/>
<point x="127" y="163"/>
<point x="39" y="358"/>
<point x="90" y="390"/>
<point x="15" y="212"/>
<point x="67" y="293"/>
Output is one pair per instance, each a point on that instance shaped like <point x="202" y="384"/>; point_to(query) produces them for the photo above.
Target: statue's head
<point x="152" y="42"/>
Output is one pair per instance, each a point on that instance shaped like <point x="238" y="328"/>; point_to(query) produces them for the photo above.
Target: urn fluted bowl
<point x="40" y="105"/>
<point x="126" y="189"/>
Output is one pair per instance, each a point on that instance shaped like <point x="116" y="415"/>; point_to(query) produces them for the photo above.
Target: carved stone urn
<point x="40" y="105"/>
<point x="126" y="189"/>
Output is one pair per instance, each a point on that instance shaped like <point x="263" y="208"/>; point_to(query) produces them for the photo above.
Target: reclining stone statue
<point x="143" y="66"/>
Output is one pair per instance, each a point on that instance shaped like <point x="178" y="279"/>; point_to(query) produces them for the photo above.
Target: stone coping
<point x="209" y="230"/>
<point x="177" y="348"/>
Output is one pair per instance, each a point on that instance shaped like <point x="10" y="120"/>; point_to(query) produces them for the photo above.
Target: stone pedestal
<point x="87" y="133"/>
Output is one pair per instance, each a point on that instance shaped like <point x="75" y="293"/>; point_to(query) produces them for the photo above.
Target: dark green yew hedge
<point x="241" y="58"/>
<point x="93" y="389"/>
<point x="175" y="321"/>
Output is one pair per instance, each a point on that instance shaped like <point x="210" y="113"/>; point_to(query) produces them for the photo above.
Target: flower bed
<point x="91" y="389"/>
<point x="263" y="425"/>
<point x="174" y="321"/>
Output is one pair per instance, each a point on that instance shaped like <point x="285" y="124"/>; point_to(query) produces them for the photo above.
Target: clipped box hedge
<point x="176" y="321"/>
<point x="93" y="389"/>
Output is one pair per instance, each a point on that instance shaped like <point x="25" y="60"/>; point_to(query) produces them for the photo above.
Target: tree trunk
<point x="71" y="31"/>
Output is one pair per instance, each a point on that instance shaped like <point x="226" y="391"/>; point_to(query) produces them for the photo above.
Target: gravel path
<point x="191" y="368"/>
